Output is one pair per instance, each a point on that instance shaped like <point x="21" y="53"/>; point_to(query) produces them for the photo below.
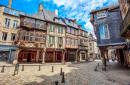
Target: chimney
<point x="75" y="21"/>
<point x="56" y="12"/>
<point x="10" y="3"/>
<point x="40" y="7"/>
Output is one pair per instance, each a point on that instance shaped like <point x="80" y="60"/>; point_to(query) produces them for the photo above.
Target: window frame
<point x="59" y="30"/>
<point x="73" y="31"/>
<point x="61" y="39"/>
<point x="8" y="24"/>
<point x="76" y="40"/>
<point x="68" y="41"/>
<point x="101" y="13"/>
<point x="11" y="36"/>
<point x="73" y="41"/>
<point x="53" y="28"/>
<point x="15" y="23"/>
<point x="4" y="36"/>
<point x="51" y="39"/>
<point x="104" y="32"/>
<point x="69" y="30"/>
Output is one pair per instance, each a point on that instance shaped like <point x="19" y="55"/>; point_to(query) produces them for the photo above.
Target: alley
<point x="75" y="74"/>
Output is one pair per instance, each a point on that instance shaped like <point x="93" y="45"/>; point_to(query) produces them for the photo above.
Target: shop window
<point x="7" y="22"/>
<point x="4" y="36"/>
<point x="12" y="37"/>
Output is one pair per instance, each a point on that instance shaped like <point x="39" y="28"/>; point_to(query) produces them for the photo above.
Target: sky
<point x="73" y="9"/>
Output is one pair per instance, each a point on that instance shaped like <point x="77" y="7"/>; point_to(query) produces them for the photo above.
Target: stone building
<point x="93" y="52"/>
<point x="125" y="26"/>
<point x="106" y="22"/>
<point x="9" y="20"/>
<point x="71" y="40"/>
<point x="83" y="44"/>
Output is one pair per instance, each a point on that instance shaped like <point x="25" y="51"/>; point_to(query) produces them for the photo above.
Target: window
<point x="26" y="21"/>
<point x="31" y="36"/>
<point x="81" y="42"/>
<point x="89" y="44"/>
<point x="71" y="22"/>
<point x="60" y="40"/>
<point x="15" y="24"/>
<point x="29" y="23"/>
<point x="76" y="32"/>
<point x="81" y="33"/>
<point x="12" y="37"/>
<point x="68" y="40"/>
<point x="90" y="49"/>
<point x="33" y="22"/>
<point x="13" y="12"/>
<point x="101" y="14"/>
<point x="104" y="32"/>
<point x="72" y="41"/>
<point x="36" y="37"/>
<point x="72" y="30"/>
<point x="52" y="28"/>
<point x="7" y="22"/>
<point x="68" y="29"/>
<point x="76" y="42"/>
<point x="41" y="24"/>
<point x="51" y="40"/>
<point x="38" y="24"/>
<point x="4" y="36"/>
<point x="60" y="30"/>
<point x="56" y="20"/>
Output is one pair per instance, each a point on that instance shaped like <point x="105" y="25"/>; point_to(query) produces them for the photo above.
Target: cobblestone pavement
<point x="75" y="74"/>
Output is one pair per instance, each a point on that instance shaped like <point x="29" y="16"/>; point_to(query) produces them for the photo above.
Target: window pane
<point x="68" y="40"/>
<point x="38" y="24"/>
<point x="41" y="24"/>
<point x="4" y="36"/>
<point x="7" y="22"/>
<point x="68" y="29"/>
<point x="29" y="23"/>
<point x="76" y="42"/>
<point x="16" y="13"/>
<point x="33" y="22"/>
<point x="72" y="41"/>
<point x="72" y="30"/>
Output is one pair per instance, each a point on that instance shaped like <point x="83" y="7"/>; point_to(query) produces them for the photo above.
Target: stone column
<point x="43" y="56"/>
<point x="63" y="57"/>
<point x="103" y="59"/>
<point x="76" y="56"/>
<point x="107" y="55"/>
<point x="37" y="56"/>
<point x="16" y="56"/>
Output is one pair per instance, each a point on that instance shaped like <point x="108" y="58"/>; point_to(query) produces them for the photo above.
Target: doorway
<point x="29" y="56"/>
<point x="121" y="56"/>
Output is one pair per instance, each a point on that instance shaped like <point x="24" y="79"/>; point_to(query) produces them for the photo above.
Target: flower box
<point x="22" y="42"/>
<point x="17" y="27"/>
<point x="14" y="42"/>
<point x="60" y="44"/>
<point x="36" y="43"/>
<point x="29" y="26"/>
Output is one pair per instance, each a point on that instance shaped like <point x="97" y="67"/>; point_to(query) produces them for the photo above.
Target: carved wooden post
<point x="107" y="55"/>
<point x="103" y="58"/>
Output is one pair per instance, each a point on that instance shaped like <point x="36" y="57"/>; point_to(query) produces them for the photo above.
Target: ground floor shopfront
<point x="7" y="53"/>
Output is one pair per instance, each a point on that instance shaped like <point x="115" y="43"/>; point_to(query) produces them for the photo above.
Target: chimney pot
<point x="56" y="12"/>
<point x="40" y="7"/>
<point x="10" y="3"/>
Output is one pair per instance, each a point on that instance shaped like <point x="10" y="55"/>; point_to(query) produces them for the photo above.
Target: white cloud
<point x="80" y="9"/>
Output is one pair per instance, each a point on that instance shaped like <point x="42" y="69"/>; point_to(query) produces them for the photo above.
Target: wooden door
<point x="33" y="57"/>
<point x="49" y="57"/>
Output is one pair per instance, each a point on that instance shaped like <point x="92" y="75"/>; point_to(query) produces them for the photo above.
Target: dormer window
<point x="56" y="20"/>
<point x="13" y="12"/>
<point x="101" y="14"/>
<point x="71" y="22"/>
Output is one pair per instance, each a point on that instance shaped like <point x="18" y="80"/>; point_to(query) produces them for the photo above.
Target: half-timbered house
<point x="71" y="40"/>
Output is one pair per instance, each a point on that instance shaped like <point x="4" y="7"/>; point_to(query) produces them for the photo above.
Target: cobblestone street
<point x="75" y="74"/>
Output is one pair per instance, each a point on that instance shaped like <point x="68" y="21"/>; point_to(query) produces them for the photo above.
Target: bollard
<point x="98" y="64"/>
<point x="56" y="82"/>
<point x="2" y="71"/>
<point x="39" y="68"/>
<point x="63" y="79"/>
<point x="95" y="69"/>
<point x="23" y="68"/>
<point x="61" y="72"/>
<point x="52" y="68"/>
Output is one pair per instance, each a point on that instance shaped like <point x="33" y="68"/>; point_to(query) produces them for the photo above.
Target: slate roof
<point x="67" y="22"/>
<point x="107" y="7"/>
<point x="46" y="15"/>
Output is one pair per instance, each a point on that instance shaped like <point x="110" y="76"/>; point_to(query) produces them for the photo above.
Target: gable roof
<point x="67" y="22"/>
<point x="107" y="7"/>
<point x="39" y="15"/>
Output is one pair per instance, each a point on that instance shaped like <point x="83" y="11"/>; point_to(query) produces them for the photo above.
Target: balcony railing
<point x="125" y="24"/>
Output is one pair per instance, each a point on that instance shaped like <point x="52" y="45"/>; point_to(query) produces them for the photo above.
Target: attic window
<point x="101" y="14"/>
<point x="71" y="22"/>
<point x="56" y="20"/>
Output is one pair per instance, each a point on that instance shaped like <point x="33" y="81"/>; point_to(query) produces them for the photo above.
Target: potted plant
<point x="22" y="42"/>
<point x="36" y="43"/>
<point x="14" y="42"/>
<point x="60" y="44"/>
<point x="17" y="27"/>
